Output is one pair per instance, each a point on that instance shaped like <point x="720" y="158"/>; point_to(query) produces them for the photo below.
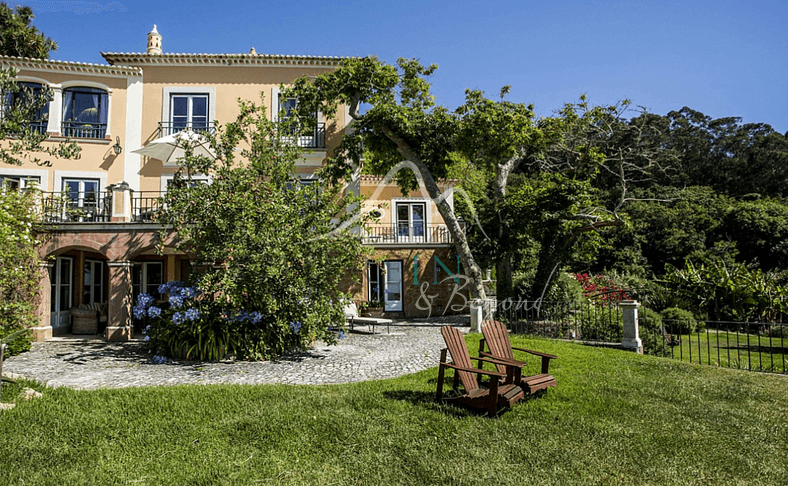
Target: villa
<point x="102" y="249"/>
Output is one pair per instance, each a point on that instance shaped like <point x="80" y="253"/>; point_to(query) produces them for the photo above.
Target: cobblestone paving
<point x="360" y="356"/>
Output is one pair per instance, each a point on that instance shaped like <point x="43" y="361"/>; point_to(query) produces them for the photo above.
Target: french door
<point x="393" y="286"/>
<point x="62" y="292"/>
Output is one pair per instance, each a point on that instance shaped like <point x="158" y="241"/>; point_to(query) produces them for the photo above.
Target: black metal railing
<point x="65" y="207"/>
<point x="582" y="321"/>
<point x="74" y="129"/>
<point x="406" y="234"/>
<point x="39" y="126"/>
<point x="169" y="128"/>
<point x="146" y="206"/>
<point x="315" y="138"/>
<point x="754" y="346"/>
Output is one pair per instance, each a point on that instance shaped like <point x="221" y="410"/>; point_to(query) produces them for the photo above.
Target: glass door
<point x="393" y="286"/>
<point x="62" y="285"/>
<point x="411" y="218"/>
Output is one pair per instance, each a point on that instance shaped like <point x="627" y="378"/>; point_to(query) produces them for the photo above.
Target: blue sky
<point x="722" y="58"/>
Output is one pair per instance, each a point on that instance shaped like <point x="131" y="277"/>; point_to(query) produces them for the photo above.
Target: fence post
<point x="631" y="340"/>
<point x="477" y="315"/>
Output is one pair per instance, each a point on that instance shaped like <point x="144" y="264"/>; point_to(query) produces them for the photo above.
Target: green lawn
<point x="615" y="418"/>
<point x="733" y="350"/>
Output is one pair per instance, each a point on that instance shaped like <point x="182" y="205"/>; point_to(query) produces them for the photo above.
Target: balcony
<point x="74" y="129"/>
<point x="64" y="207"/>
<point x="169" y="128"/>
<point x="90" y="207"/>
<point x="314" y="139"/>
<point x="406" y="234"/>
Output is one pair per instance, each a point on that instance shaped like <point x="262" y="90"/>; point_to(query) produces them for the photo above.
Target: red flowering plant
<point x="601" y="288"/>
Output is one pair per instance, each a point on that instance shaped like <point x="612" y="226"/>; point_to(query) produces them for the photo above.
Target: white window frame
<point x="275" y="93"/>
<point x="144" y="278"/>
<point x="42" y="175"/>
<point x="166" y="180"/>
<point x="395" y="201"/>
<point x="190" y="108"/>
<point x="94" y="271"/>
<point x="168" y="91"/>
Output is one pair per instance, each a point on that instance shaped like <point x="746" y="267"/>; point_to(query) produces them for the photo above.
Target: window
<point x="82" y="194"/>
<point x="411" y="219"/>
<point x="85" y="112"/>
<point x="188" y="111"/>
<point x="94" y="282"/>
<point x="28" y="92"/>
<point x="314" y="138"/>
<point x="376" y="282"/>
<point x="18" y="183"/>
<point x="146" y="279"/>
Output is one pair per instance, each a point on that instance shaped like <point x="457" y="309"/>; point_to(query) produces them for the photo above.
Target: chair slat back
<point x="459" y="355"/>
<point x="497" y="337"/>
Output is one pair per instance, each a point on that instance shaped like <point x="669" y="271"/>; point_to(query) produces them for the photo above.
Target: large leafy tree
<point x="395" y="119"/>
<point x="19" y="277"/>
<point x="18" y="37"/>
<point x="265" y="245"/>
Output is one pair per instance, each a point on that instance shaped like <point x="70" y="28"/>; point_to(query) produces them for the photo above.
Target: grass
<point x="733" y="350"/>
<point x="615" y="418"/>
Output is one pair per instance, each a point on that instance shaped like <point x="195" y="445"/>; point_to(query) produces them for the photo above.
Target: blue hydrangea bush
<point x="193" y="324"/>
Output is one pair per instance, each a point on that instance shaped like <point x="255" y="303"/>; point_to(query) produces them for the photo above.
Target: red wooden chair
<point x="496" y="337"/>
<point x="498" y="394"/>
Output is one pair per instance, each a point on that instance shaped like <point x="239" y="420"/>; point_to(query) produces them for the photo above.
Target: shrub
<point x="650" y="328"/>
<point x="680" y="321"/>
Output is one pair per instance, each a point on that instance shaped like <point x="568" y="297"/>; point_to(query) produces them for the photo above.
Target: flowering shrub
<point x="601" y="288"/>
<point x="201" y="325"/>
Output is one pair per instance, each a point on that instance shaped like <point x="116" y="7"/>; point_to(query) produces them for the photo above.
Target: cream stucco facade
<point x="104" y="252"/>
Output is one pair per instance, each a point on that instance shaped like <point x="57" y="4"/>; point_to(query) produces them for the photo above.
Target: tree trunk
<point x="461" y="246"/>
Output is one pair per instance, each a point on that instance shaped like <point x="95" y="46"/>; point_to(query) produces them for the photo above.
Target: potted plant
<point x="373" y="308"/>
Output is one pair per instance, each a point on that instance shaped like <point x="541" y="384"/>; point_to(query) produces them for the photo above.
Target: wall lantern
<point x="117" y="148"/>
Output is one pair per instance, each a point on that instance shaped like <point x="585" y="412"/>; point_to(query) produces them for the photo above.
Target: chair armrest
<point x="474" y="370"/>
<point x="536" y="353"/>
<point x="506" y="361"/>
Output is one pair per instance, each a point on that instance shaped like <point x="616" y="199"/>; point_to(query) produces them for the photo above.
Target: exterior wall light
<point x="117" y="148"/>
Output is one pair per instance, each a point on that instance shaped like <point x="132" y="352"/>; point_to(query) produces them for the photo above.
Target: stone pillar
<point x="477" y="315"/>
<point x="121" y="202"/>
<point x="631" y="339"/>
<point x="119" y="324"/>
<point x="43" y="330"/>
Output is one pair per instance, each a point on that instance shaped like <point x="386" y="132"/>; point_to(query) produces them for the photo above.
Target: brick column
<point x="43" y="330"/>
<point x="119" y="324"/>
<point x="631" y="339"/>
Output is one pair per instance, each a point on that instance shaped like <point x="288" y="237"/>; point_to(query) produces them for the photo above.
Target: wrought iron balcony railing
<point x="74" y="129"/>
<point x="406" y="234"/>
<point x="169" y="128"/>
<point x="70" y="207"/>
<point x="146" y="205"/>
<point x="316" y="138"/>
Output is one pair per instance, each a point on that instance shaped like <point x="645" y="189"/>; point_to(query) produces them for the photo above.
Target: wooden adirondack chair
<point x="499" y="394"/>
<point x="496" y="337"/>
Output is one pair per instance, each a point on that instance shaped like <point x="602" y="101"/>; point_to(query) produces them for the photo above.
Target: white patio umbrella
<point x="172" y="147"/>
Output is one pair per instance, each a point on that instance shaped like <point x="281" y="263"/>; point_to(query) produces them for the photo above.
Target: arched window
<point x="84" y="112"/>
<point x="29" y="94"/>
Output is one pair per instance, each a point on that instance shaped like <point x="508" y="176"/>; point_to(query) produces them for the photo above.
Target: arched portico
<point x="100" y="264"/>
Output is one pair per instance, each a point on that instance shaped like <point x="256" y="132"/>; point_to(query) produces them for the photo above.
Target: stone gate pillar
<point x="119" y="324"/>
<point x="631" y="340"/>
<point x="43" y="330"/>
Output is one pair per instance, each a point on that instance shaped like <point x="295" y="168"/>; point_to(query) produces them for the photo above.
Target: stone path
<point x="360" y="356"/>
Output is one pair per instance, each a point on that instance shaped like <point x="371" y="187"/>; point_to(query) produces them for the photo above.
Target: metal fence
<point x="581" y="321"/>
<point x="754" y="346"/>
<point x="405" y="233"/>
